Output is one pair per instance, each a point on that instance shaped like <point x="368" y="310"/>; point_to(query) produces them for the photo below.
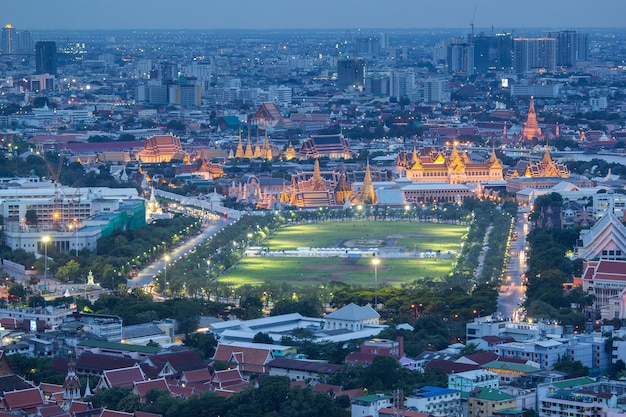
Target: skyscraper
<point x="534" y="54"/>
<point x="460" y="57"/>
<point x="46" y="57"/>
<point x="351" y="72"/>
<point x="493" y="53"/>
<point x="565" y="47"/>
<point x="7" y="40"/>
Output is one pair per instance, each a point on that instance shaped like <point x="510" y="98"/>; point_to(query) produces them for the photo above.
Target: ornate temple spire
<point x="368" y="195"/>
<point x="317" y="182"/>
<point x="290" y="152"/>
<point x="249" y="153"/>
<point x="257" y="148"/>
<point x="266" y="152"/>
<point x="71" y="385"/>
<point x="531" y="127"/>
<point x="239" y="153"/>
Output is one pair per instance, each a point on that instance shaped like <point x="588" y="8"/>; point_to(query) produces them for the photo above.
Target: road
<point x="146" y="275"/>
<point x="512" y="291"/>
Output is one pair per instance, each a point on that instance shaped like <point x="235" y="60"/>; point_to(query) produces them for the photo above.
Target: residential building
<point x="435" y="401"/>
<point x="485" y="402"/>
<point x="534" y="54"/>
<point x="468" y="381"/>
<point x="370" y="404"/>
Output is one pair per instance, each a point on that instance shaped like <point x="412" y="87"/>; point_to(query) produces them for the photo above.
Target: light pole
<point x="208" y="265"/>
<point x="166" y="259"/>
<point x="45" y="239"/>
<point x="375" y="262"/>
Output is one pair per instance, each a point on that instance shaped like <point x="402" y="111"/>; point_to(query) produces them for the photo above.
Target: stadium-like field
<point x="410" y="237"/>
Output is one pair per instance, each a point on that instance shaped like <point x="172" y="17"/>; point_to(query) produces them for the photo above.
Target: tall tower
<point x="531" y="128"/>
<point x="46" y="57"/>
<point x="249" y="153"/>
<point x="239" y="153"/>
<point x="7" y="41"/>
<point x="368" y="195"/>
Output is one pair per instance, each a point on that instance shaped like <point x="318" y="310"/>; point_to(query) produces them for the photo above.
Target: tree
<point x="187" y="315"/>
<point x="31" y="217"/>
<point x="204" y="343"/>
<point x="261" y="337"/>
<point x="17" y="293"/>
<point x="69" y="271"/>
<point x="36" y="301"/>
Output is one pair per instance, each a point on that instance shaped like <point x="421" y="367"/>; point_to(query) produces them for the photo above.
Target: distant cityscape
<point x="110" y="131"/>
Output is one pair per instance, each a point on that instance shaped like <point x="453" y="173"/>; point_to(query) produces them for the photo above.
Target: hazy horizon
<point x="322" y="15"/>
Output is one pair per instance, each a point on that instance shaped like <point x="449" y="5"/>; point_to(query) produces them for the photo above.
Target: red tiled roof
<point x="22" y="399"/>
<point x="248" y="359"/>
<point x="451" y="367"/>
<point x="124" y="378"/>
<point x="98" y="363"/>
<point x="49" y="410"/>
<point x="113" y="413"/>
<point x="77" y="406"/>
<point x="142" y="387"/>
<point x="197" y="375"/>
<point x="482" y="358"/>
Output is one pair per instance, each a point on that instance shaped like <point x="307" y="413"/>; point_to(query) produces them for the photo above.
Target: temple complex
<point x="161" y="148"/>
<point x="432" y="165"/>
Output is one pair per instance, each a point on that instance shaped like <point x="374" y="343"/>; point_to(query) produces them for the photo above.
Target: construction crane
<point x="472" y="21"/>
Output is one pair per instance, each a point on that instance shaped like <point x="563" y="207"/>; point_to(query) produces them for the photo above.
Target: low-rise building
<point x="435" y="401"/>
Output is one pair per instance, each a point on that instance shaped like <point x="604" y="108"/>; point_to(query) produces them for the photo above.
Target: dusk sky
<point x="318" y="14"/>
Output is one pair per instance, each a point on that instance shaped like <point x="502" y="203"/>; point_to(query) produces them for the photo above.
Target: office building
<point x="46" y="57"/>
<point x="534" y="54"/>
<point x="493" y="53"/>
<point x="351" y="72"/>
<point x="460" y="57"/>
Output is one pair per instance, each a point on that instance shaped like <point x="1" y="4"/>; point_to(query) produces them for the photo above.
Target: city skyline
<point x="283" y="14"/>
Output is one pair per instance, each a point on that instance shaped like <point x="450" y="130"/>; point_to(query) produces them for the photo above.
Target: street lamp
<point x="375" y="262"/>
<point x="208" y="265"/>
<point x="45" y="239"/>
<point x="166" y="258"/>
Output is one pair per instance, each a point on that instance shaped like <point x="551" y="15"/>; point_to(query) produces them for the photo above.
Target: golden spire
<point x="248" y="154"/>
<point x="317" y="182"/>
<point x="266" y="152"/>
<point x="257" y="148"/>
<point x="239" y="153"/>
<point x="290" y="152"/>
<point x="414" y="158"/>
<point x="368" y="195"/>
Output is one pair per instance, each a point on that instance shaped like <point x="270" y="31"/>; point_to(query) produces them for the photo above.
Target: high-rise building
<point x="377" y="85"/>
<point x="7" y="40"/>
<point x="571" y="47"/>
<point x="534" y="54"/>
<point x="460" y="57"/>
<point x="492" y="53"/>
<point x="402" y="83"/>
<point x="46" y="57"/>
<point x="367" y="45"/>
<point x="351" y="72"/>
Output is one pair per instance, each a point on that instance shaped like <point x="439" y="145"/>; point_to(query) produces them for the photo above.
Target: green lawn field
<point x="354" y="271"/>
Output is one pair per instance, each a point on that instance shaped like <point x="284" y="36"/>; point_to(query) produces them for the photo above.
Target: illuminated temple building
<point x="528" y="174"/>
<point x="432" y="165"/>
<point x="161" y="148"/>
<point x="330" y="146"/>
